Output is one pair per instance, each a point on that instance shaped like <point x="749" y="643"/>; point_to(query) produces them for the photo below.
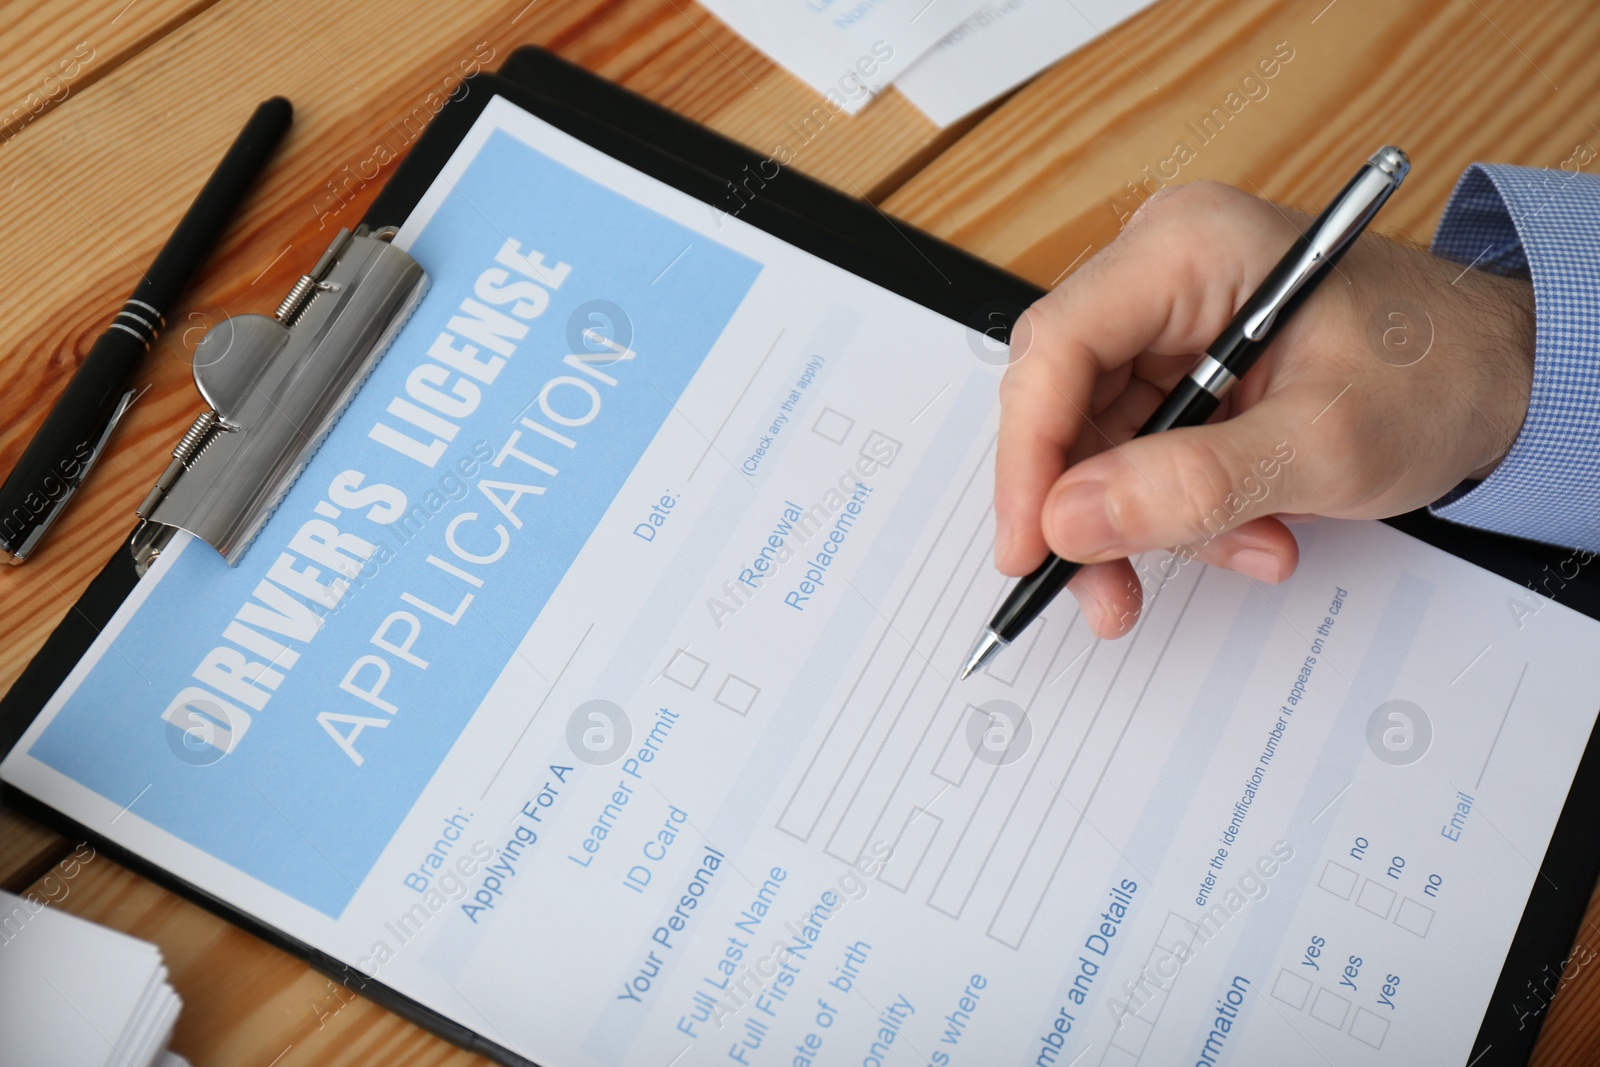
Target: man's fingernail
<point x="1094" y="613"/>
<point x="1080" y="520"/>
<point x="1107" y="619"/>
<point x="1257" y="563"/>
<point x="1002" y="540"/>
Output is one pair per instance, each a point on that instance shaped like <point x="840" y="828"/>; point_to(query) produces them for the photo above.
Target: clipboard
<point x="929" y="272"/>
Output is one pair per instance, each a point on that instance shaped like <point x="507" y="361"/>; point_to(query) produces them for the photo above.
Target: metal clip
<point x="274" y="387"/>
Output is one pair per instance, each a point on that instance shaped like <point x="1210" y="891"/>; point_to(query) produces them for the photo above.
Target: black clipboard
<point x="930" y="272"/>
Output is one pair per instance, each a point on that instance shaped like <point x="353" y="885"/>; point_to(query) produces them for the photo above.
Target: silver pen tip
<point x="988" y="644"/>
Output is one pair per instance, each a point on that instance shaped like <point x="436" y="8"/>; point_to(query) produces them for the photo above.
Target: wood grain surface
<point x="55" y="50"/>
<point x="93" y="179"/>
<point x="1452" y="82"/>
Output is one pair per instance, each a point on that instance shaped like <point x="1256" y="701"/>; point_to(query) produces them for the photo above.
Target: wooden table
<point x="109" y="107"/>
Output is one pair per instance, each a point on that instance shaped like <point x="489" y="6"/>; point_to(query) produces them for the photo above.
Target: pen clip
<point x="1333" y="232"/>
<point x="71" y="482"/>
<point x="99" y="446"/>
<point x="1259" y="325"/>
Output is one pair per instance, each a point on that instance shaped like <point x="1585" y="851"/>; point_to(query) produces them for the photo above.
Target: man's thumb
<point x="1182" y="487"/>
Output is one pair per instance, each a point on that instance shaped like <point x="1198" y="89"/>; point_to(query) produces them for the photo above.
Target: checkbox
<point x="737" y="694"/>
<point x="1177" y="934"/>
<point x="686" y="669"/>
<point x="1116" y="1057"/>
<point x="833" y="425"/>
<point x="1414" y="917"/>
<point x="1376" y="898"/>
<point x="1132" y="1033"/>
<point x="956" y="759"/>
<point x="1338" y="880"/>
<point x="1291" y="989"/>
<point x="1369" y="1028"/>
<point x="1330" y="1008"/>
<point x="1154" y="997"/>
<point x="880" y="447"/>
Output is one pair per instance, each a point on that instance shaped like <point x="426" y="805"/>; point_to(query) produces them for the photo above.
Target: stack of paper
<point x="75" y="994"/>
<point x="1003" y="45"/>
<point x="948" y="57"/>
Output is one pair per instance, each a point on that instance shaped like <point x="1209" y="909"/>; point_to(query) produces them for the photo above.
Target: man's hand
<point x="1401" y="376"/>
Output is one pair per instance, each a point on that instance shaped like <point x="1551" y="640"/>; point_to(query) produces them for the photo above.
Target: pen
<point x="59" y="457"/>
<point x="1230" y="356"/>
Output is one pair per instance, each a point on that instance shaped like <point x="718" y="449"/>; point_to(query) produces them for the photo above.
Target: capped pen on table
<point x="74" y="434"/>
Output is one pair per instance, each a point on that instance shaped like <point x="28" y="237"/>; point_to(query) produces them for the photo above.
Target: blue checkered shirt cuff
<point x="1545" y="225"/>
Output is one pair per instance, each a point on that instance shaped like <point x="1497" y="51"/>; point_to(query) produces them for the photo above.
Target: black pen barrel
<point x="1186" y="405"/>
<point x="1028" y="598"/>
<point x="59" y="457"/>
<point x="202" y="225"/>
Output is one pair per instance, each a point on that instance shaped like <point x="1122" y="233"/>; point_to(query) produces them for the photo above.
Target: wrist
<point x="1504" y="320"/>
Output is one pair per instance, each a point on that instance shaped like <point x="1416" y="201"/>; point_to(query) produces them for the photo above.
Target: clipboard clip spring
<point x="273" y="388"/>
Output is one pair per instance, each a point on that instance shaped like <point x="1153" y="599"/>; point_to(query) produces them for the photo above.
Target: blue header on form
<point x="289" y="805"/>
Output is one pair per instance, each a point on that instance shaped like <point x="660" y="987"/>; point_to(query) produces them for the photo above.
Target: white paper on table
<point x="76" y="993"/>
<point x="848" y="50"/>
<point x="1003" y="45"/>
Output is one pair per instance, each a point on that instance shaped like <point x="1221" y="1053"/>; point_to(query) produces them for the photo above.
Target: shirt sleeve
<point x="1543" y="225"/>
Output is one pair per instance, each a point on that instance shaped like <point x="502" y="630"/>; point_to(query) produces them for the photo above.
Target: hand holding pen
<point x="1401" y="376"/>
